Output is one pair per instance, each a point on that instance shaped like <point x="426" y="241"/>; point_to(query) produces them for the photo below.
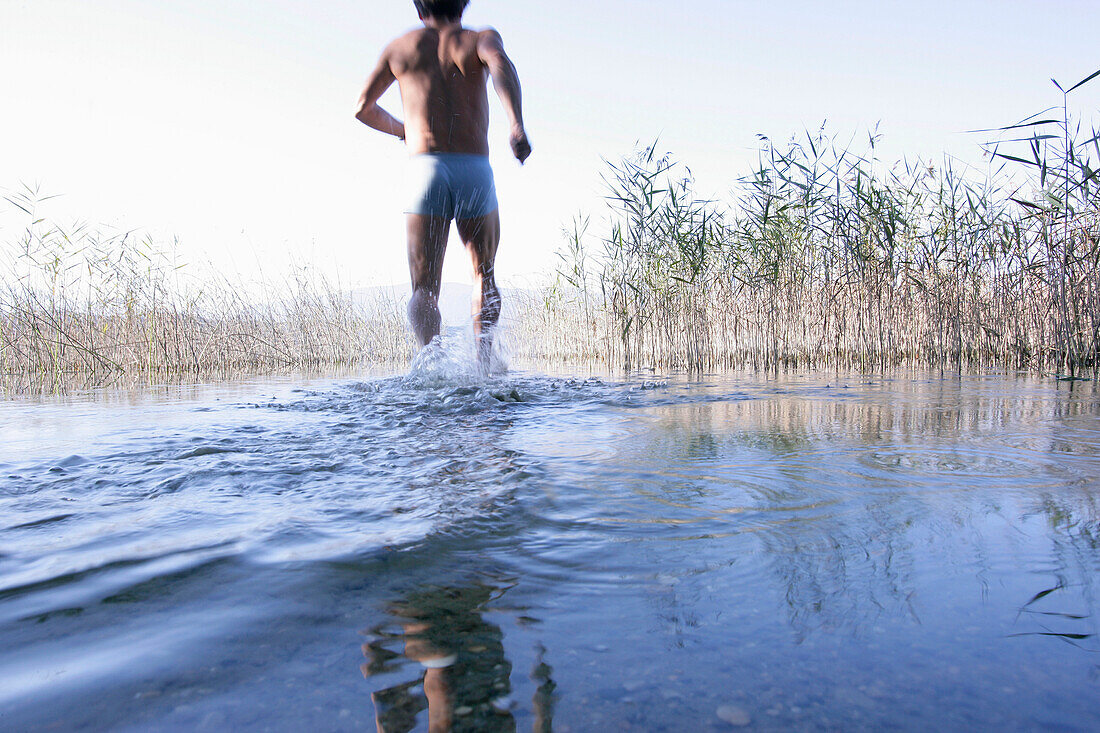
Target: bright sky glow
<point x="229" y="123"/>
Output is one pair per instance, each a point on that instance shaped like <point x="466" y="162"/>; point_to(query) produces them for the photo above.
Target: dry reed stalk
<point x="77" y="301"/>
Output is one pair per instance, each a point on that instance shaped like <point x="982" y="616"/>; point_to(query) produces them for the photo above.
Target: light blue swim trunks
<point x="450" y="185"/>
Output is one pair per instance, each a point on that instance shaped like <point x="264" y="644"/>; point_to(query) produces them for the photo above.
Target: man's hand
<point x="521" y="147"/>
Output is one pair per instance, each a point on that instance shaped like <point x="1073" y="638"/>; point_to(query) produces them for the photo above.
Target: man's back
<point x="443" y="89"/>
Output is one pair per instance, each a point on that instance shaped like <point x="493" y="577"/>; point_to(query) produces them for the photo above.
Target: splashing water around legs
<point x="457" y="357"/>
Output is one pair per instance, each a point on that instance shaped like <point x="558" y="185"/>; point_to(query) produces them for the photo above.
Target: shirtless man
<point x="441" y="70"/>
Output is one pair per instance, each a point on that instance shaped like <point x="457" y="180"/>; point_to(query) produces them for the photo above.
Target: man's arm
<point x="370" y="114"/>
<point x="490" y="49"/>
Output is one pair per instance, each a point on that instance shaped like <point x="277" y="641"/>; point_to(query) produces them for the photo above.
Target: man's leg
<point x="481" y="237"/>
<point x="427" y="244"/>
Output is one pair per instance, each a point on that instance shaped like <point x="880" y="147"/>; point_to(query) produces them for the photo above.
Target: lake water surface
<point x="805" y="551"/>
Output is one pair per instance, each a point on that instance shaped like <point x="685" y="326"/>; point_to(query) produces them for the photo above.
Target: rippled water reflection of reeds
<point x="812" y="551"/>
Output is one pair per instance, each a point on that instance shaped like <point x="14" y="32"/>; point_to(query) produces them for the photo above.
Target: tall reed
<point x="77" y="300"/>
<point x="827" y="257"/>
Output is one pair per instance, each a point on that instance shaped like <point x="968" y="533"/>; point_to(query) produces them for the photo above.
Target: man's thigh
<point x="481" y="235"/>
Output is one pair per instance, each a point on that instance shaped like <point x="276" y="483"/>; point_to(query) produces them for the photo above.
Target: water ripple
<point x="828" y="506"/>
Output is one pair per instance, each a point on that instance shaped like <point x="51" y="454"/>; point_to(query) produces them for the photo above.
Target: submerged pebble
<point x="733" y="715"/>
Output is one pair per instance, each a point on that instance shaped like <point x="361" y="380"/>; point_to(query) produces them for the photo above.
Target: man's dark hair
<point x="445" y="9"/>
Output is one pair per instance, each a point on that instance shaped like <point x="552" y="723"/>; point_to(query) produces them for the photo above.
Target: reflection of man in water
<point x="442" y="70"/>
<point x="466" y="675"/>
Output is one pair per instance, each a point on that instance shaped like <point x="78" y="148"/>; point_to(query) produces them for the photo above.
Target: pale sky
<point x="229" y="123"/>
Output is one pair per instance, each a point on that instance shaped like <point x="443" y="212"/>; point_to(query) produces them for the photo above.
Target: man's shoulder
<point x="408" y="40"/>
<point x="487" y="33"/>
<point x="402" y="52"/>
<point x="488" y="40"/>
<point x="477" y="35"/>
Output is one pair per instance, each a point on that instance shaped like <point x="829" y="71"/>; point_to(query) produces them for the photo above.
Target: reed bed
<point x="826" y="257"/>
<point x="75" y="300"/>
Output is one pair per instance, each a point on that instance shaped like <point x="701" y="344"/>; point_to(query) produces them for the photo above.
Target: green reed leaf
<point x="1084" y="81"/>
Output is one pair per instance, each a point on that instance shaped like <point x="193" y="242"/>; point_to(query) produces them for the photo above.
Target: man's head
<point x="441" y="9"/>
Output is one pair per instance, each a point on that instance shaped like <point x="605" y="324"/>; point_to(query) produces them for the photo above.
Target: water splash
<point x="450" y="359"/>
